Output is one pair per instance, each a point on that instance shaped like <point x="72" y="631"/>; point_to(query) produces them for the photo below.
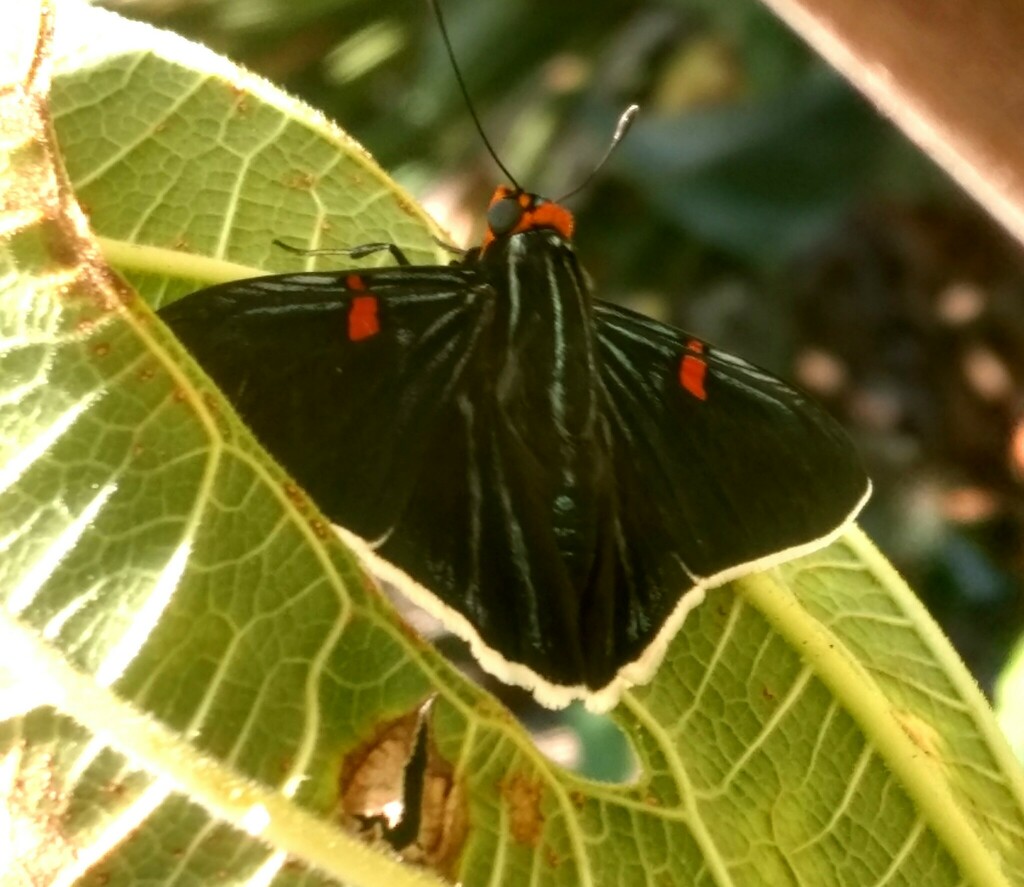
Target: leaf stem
<point x="859" y="694"/>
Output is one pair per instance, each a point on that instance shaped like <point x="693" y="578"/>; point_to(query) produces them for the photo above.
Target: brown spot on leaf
<point x="239" y="98"/>
<point x="101" y="349"/>
<point x="373" y="773"/>
<point x="523" y="795"/>
<point x="301" y="181"/>
<point x="295" y="495"/>
<point x="408" y="207"/>
<point x="319" y="528"/>
<point x="921" y="733"/>
<point x="35" y="802"/>
<point x="47" y="233"/>
<point x="61" y="249"/>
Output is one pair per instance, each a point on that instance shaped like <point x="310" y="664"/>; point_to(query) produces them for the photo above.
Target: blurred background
<point x="758" y="201"/>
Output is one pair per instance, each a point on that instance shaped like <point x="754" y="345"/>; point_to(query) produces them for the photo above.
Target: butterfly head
<point x="514" y="211"/>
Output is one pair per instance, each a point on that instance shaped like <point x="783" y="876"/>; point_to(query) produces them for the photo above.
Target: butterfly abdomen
<point x="546" y="393"/>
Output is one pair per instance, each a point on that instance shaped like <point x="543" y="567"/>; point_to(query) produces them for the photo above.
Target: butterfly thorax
<point x="544" y="343"/>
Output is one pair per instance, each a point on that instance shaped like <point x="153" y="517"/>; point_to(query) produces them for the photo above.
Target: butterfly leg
<point x="356" y="252"/>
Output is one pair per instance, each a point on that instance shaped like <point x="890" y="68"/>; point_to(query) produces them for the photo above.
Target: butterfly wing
<point x="385" y="412"/>
<point x="721" y="469"/>
<point x="376" y="391"/>
<point x="344" y="376"/>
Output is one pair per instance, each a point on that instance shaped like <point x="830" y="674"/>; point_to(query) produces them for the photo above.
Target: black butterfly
<point x="559" y="478"/>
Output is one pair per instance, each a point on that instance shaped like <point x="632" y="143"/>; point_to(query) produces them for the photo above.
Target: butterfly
<point x="557" y="479"/>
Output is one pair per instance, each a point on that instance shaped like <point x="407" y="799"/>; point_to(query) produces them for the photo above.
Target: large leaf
<point x="1010" y="699"/>
<point x="198" y="681"/>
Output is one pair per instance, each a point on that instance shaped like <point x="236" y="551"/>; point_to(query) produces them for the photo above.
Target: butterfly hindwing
<point x="720" y="468"/>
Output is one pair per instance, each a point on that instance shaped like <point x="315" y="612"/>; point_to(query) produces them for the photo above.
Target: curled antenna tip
<point x="625" y="122"/>
<point x="626" y="119"/>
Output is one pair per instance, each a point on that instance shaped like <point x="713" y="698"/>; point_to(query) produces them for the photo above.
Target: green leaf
<point x="198" y="681"/>
<point x="1010" y="699"/>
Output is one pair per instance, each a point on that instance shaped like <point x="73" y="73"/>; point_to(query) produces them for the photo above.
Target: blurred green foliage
<point x="758" y="200"/>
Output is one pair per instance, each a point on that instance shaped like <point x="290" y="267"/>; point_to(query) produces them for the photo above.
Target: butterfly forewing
<point x="344" y="377"/>
<point x="393" y="422"/>
<point x="738" y="466"/>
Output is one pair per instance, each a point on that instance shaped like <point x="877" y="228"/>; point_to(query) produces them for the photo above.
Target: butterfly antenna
<point x="621" y="128"/>
<point x="435" y="5"/>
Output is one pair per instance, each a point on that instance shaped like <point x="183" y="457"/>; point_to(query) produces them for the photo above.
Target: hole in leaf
<point x="397" y="788"/>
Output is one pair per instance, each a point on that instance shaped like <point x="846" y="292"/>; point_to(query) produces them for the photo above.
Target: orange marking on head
<point x="691" y="375"/>
<point x="547" y="215"/>
<point x="355" y="282"/>
<point x="536" y="214"/>
<point x="362" y="318"/>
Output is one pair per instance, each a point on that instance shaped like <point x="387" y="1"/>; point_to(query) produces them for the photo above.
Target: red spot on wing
<point x="691" y="375"/>
<point x="695" y="345"/>
<point x="362" y="318"/>
<point x="355" y="282"/>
